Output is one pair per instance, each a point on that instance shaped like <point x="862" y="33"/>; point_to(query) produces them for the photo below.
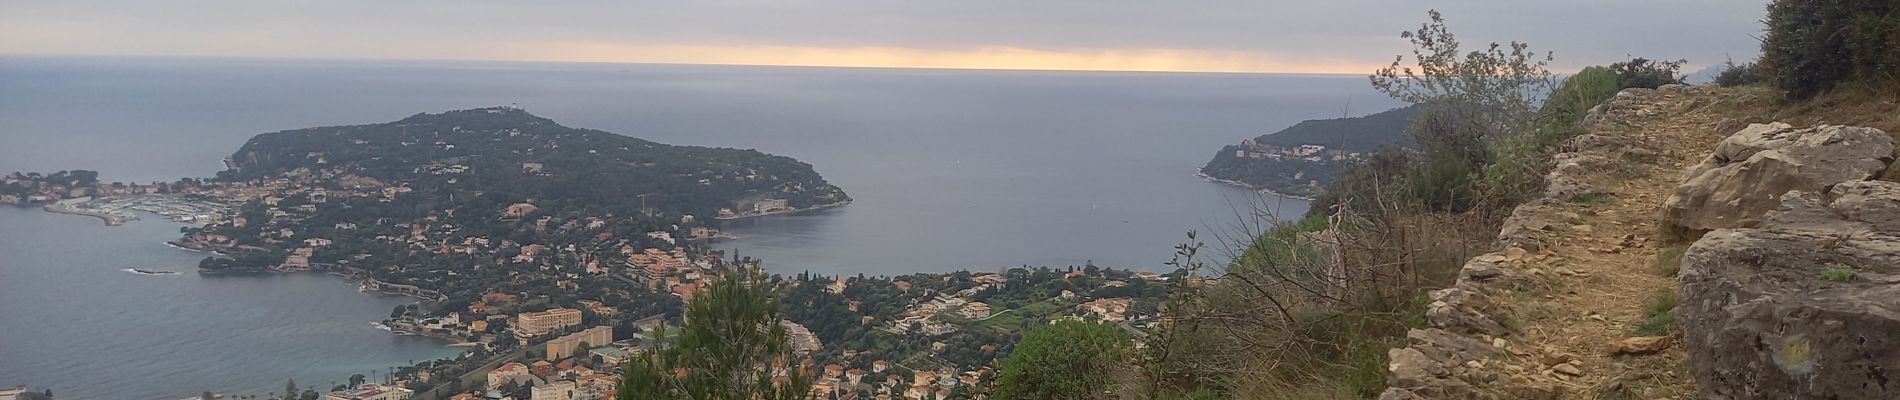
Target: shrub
<point x="1444" y="183"/>
<point x="1813" y="46"/>
<point x="1361" y="186"/>
<point x="1737" y="75"/>
<point x="1067" y="359"/>
<point x="1837" y="273"/>
<point x="1522" y="159"/>
<point x="1646" y="73"/>
<point x="1470" y="99"/>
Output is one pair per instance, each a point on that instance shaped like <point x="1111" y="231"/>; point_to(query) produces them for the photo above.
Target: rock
<point x="1527" y="225"/>
<point x="1750" y="170"/>
<point x="1567" y="369"/>
<point x="1552" y="358"/>
<point x="1398" y="394"/>
<point x="1409" y="367"/>
<point x="1761" y="322"/>
<point x="1641" y="345"/>
<point x="1463" y="311"/>
<point x="1515" y="254"/>
<point x="1446" y="347"/>
<point x="1489" y="270"/>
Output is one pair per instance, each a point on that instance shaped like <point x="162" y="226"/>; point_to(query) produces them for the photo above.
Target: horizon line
<point x="664" y="63"/>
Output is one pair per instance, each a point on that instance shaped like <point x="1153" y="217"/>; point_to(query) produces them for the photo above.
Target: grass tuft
<point x="1657" y="318"/>
<point x="1837" y="273"/>
<point x="1669" y="261"/>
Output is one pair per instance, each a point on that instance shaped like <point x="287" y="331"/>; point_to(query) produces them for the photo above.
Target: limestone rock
<point x="1761" y="321"/>
<point x="1463" y="311"/>
<point x="1397" y="394"/>
<point x="1448" y="348"/>
<point x="1750" y="170"/>
<point x="1411" y="368"/>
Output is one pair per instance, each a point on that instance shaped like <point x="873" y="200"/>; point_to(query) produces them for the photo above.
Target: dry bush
<point x="1307" y="308"/>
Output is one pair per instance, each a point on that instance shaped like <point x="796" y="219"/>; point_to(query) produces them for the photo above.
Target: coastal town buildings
<point x="538" y="323"/>
<point x="510" y="372"/>
<point x="556" y="390"/>
<point x="609" y="356"/>
<point x="566" y="345"/>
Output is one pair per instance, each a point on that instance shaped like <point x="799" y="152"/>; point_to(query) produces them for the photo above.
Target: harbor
<point x="118" y="210"/>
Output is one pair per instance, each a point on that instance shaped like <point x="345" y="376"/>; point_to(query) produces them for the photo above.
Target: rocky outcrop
<point x="1748" y="172"/>
<point x="1804" y="305"/>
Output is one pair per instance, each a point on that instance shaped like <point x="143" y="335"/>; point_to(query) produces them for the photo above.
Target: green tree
<point x="1470" y="100"/>
<point x="1068" y="359"/>
<point x="728" y="348"/>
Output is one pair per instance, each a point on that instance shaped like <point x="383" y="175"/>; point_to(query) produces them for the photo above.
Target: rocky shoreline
<point x="1262" y="190"/>
<point x="780" y="212"/>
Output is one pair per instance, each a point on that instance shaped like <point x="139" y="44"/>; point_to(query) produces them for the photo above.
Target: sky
<point x="1315" y="36"/>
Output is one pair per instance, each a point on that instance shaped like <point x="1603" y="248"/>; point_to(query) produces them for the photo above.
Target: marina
<point x="117" y="210"/>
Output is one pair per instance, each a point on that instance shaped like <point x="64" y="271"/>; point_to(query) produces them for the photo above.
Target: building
<point x="609" y="355"/>
<point x="974" y="311"/>
<point x="371" y="392"/>
<point x="538" y="323"/>
<point x="519" y="210"/>
<point x="506" y="373"/>
<point x="770" y="205"/>
<point x="565" y="346"/>
<point x="557" y="390"/>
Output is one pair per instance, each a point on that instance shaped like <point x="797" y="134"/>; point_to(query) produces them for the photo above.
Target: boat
<point x="142" y="271"/>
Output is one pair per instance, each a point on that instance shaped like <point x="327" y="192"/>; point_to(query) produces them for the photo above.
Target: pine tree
<point x="729" y="348"/>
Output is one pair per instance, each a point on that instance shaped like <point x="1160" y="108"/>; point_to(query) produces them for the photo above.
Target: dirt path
<point x="1599" y="271"/>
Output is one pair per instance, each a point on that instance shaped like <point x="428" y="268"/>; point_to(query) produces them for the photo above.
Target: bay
<point x="950" y="169"/>
<point x="75" y="319"/>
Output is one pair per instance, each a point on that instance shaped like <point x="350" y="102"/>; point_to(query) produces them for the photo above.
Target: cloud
<point x="1206" y="35"/>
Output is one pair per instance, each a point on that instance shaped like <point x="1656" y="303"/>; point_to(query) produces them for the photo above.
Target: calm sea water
<point x="950" y="169"/>
<point x="74" y="320"/>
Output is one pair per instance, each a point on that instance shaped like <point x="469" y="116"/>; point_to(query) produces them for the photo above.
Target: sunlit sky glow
<point x="1334" y="36"/>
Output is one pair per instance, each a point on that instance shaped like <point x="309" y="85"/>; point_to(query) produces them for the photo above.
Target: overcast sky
<point x="1349" y="36"/>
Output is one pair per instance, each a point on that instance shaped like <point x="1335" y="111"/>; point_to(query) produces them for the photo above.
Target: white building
<point x="557" y="390"/>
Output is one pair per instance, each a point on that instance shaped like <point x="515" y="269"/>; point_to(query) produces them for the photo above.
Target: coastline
<point x="780" y="212"/>
<point x="1262" y="190"/>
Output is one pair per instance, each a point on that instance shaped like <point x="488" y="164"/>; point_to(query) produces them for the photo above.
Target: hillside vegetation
<point x="509" y="155"/>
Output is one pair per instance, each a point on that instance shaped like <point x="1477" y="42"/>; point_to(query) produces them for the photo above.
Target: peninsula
<point x="1300" y="160"/>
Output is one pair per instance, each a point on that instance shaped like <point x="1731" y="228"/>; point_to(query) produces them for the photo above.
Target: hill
<point x="511" y="155"/>
<point x="1300" y="159"/>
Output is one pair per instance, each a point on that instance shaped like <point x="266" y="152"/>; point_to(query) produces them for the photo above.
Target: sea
<point x="950" y="170"/>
